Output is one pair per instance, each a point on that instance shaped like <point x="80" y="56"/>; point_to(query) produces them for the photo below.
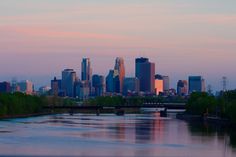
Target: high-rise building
<point x="86" y="70"/>
<point x="5" y="87"/>
<point x="159" y="84"/>
<point x="110" y="82"/>
<point x="82" y="89"/>
<point x="182" y="87"/>
<point x="145" y="72"/>
<point x="166" y="81"/>
<point x="131" y="86"/>
<point x="98" y="85"/>
<point x="68" y="82"/>
<point x="113" y="82"/>
<point x="26" y="87"/>
<point x="56" y="88"/>
<point x="120" y="67"/>
<point x="86" y="73"/>
<point x="196" y="84"/>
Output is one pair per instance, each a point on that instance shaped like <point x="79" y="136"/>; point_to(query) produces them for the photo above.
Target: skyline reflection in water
<point x="110" y="135"/>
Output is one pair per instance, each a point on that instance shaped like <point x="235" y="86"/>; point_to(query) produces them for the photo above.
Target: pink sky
<point x="40" y="38"/>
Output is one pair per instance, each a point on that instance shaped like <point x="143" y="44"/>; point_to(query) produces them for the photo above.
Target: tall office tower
<point x="26" y="87"/>
<point x="131" y="86"/>
<point x="182" y="87"/>
<point x="86" y="73"/>
<point x="166" y="81"/>
<point x="120" y="67"/>
<point x="98" y="85"/>
<point x="86" y="70"/>
<point x="5" y="87"/>
<point x="113" y="82"/>
<point x="110" y="82"/>
<point x="145" y="72"/>
<point x="159" y="84"/>
<point x="68" y="82"/>
<point x="196" y="84"/>
<point x="55" y="87"/>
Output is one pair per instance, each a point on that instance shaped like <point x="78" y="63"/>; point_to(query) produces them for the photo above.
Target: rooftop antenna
<point x="224" y="83"/>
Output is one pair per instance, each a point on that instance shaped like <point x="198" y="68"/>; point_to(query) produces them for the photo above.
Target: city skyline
<point x="183" y="38"/>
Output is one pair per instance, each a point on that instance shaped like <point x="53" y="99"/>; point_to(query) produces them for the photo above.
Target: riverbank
<point x="208" y="119"/>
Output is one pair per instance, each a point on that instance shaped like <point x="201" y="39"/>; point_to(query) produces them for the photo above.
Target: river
<point x="110" y="135"/>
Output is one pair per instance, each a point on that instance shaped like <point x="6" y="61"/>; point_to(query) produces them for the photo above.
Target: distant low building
<point x="182" y="87"/>
<point x="44" y="90"/>
<point x="26" y="87"/>
<point x="5" y="87"/>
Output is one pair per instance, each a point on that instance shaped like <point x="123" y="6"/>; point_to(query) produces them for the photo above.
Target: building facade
<point x="5" y="87"/>
<point x="159" y="84"/>
<point x="56" y="88"/>
<point x="196" y="84"/>
<point x="182" y="87"/>
<point x="131" y="86"/>
<point x="26" y="87"/>
<point x="98" y="85"/>
<point x="120" y="69"/>
<point x="145" y="72"/>
<point x="68" y="82"/>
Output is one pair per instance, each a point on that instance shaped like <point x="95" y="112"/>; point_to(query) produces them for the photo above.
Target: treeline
<point x="20" y="104"/>
<point x="223" y="106"/>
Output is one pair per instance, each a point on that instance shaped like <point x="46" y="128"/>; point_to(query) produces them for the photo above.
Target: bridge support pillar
<point x="163" y="113"/>
<point x="98" y="112"/>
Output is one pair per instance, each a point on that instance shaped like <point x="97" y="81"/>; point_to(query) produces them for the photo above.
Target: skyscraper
<point x="131" y="85"/>
<point x="82" y="89"/>
<point x="55" y="87"/>
<point x="166" y="81"/>
<point x="145" y="72"/>
<point x="120" y="67"/>
<point x="86" y="70"/>
<point x="182" y="87"/>
<point x="110" y="82"/>
<point x="159" y="84"/>
<point x="98" y="85"/>
<point x="68" y="82"/>
<point x="86" y="73"/>
<point x="196" y="84"/>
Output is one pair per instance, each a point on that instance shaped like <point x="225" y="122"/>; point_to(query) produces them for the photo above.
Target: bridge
<point x="98" y="107"/>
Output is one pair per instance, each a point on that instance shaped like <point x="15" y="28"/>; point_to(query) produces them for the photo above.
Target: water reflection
<point x="110" y="135"/>
<point x="224" y="134"/>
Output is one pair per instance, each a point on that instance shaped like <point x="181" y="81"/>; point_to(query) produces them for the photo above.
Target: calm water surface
<point x="110" y="135"/>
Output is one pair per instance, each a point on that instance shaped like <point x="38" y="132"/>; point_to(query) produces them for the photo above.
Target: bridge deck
<point x="84" y="107"/>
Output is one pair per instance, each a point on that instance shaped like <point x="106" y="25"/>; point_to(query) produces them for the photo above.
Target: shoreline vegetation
<point x="199" y="107"/>
<point x="207" y="108"/>
<point x="20" y="105"/>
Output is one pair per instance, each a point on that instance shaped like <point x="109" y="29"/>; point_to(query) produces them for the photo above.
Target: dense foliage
<point x="223" y="106"/>
<point x="20" y="104"/>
